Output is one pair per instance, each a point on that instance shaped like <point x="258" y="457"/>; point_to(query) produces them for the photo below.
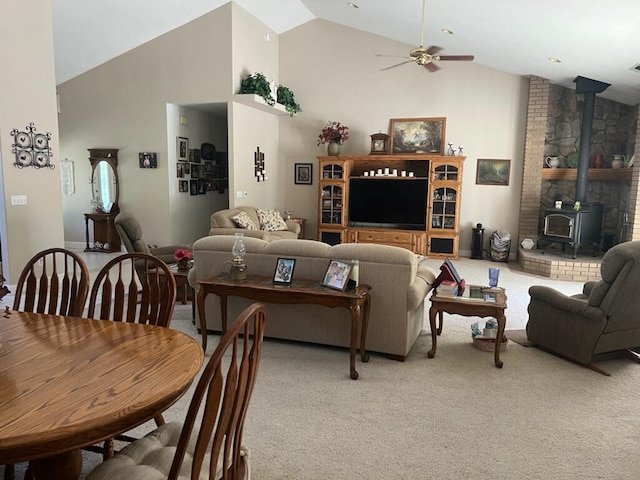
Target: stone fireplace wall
<point x="553" y="129"/>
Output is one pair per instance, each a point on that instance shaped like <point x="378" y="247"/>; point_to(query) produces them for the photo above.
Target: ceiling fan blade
<point x="456" y="57"/>
<point x="432" y="67"/>
<point x="433" y="49"/>
<point x="391" y="56"/>
<point x="394" y="66"/>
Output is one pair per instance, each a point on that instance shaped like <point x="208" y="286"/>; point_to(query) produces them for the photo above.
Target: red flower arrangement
<point x="182" y="254"/>
<point x="334" y="132"/>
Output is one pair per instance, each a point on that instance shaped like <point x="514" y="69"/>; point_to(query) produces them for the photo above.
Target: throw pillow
<point x="271" y="220"/>
<point x="244" y="221"/>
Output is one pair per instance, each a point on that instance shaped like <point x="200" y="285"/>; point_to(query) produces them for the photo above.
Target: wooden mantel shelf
<point x="611" y="174"/>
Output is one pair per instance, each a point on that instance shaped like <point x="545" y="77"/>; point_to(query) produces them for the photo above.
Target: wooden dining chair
<point x="222" y="395"/>
<point x="136" y="288"/>
<point x="54" y="281"/>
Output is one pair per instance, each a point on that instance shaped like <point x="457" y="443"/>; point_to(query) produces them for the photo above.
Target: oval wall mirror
<point x="104" y="180"/>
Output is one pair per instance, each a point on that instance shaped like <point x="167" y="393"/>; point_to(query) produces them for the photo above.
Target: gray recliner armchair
<point x="130" y="233"/>
<point x="605" y="318"/>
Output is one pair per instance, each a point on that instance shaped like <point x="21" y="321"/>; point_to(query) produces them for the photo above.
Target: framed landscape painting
<point x="418" y="135"/>
<point x="493" y="172"/>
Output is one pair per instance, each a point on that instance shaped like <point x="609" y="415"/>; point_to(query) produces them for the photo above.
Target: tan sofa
<point x="400" y="283"/>
<point x="222" y="224"/>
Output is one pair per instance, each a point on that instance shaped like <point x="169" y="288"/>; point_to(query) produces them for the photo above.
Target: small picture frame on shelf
<point x="303" y="173"/>
<point x="337" y="274"/>
<point x="283" y="273"/>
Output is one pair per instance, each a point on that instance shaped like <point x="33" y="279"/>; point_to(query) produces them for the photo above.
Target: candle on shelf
<point x="379" y="171"/>
<point x="403" y="173"/>
<point x="386" y="171"/>
<point x="395" y="172"/>
<point x="411" y="174"/>
<point x="372" y="173"/>
<point x="366" y="174"/>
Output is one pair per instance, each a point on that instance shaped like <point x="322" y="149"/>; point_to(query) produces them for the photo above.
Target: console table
<point x="104" y="232"/>
<point x="262" y="289"/>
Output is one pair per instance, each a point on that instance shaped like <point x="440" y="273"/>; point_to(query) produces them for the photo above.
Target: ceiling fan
<point x="425" y="56"/>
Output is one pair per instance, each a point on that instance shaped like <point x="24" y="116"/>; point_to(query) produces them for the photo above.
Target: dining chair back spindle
<point x="54" y="281"/>
<point x="222" y="395"/>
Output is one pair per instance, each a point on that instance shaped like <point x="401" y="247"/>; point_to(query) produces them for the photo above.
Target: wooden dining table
<point x="66" y="383"/>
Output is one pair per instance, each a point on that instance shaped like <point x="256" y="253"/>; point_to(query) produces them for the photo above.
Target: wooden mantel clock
<point x="379" y="144"/>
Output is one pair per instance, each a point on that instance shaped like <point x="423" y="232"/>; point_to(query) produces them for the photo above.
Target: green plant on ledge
<point x="286" y="98"/>
<point x="259" y="85"/>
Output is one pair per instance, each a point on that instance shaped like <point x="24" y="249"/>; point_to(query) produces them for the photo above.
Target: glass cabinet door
<point x="444" y="208"/>
<point x="331" y="210"/>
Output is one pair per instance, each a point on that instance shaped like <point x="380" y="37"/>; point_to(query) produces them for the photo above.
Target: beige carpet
<point x="519" y="336"/>
<point x="452" y="417"/>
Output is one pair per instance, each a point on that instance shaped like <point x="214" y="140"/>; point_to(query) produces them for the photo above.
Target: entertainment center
<point x="406" y="200"/>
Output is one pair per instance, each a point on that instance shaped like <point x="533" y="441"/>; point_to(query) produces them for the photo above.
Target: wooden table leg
<point x="355" y="317"/>
<point x="364" y="356"/>
<point x="202" y="294"/>
<point x="223" y="312"/>
<point x="434" y="331"/>
<point x="441" y="318"/>
<point x="65" y="466"/>
<point x="502" y="322"/>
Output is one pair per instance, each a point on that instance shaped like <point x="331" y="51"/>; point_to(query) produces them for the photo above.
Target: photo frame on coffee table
<point x="337" y="274"/>
<point x="283" y="274"/>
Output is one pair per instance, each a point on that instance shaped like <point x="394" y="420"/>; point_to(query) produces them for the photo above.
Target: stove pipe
<point x="589" y="88"/>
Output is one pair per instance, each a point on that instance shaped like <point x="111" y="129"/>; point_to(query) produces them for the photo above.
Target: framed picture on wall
<point x="182" y="148"/>
<point x="148" y="159"/>
<point x="183" y="186"/>
<point x="418" y="135"/>
<point x="493" y="172"/>
<point x="303" y="173"/>
<point x="193" y="187"/>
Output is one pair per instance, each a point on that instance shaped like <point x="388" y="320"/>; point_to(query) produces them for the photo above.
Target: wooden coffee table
<point x="262" y="289"/>
<point x="469" y="307"/>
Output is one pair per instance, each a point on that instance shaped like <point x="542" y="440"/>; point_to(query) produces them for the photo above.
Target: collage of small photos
<point x="200" y="170"/>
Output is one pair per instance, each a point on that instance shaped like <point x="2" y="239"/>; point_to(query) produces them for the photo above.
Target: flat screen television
<point x="388" y="203"/>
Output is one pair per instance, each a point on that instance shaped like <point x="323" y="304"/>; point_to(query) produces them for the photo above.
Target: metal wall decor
<point x="31" y="148"/>
<point x="258" y="165"/>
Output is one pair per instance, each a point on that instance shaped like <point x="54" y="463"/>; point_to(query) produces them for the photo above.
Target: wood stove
<point x="574" y="228"/>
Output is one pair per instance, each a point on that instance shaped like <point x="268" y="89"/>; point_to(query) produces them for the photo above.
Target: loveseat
<point x="400" y="283"/>
<point x="223" y="223"/>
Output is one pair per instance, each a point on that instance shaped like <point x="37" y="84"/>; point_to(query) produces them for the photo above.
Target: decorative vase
<point x="183" y="264"/>
<point x="333" y="149"/>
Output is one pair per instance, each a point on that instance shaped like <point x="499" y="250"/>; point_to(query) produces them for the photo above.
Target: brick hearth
<point x="559" y="265"/>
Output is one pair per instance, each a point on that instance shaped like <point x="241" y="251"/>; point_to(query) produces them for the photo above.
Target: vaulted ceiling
<point x="591" y="38"/>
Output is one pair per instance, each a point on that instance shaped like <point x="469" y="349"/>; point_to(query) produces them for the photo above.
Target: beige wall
<point x="27" y="86"/>
<point x="124" y="104"/>
<point x="340" y="80"/>
<point x="335" y="76"/>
